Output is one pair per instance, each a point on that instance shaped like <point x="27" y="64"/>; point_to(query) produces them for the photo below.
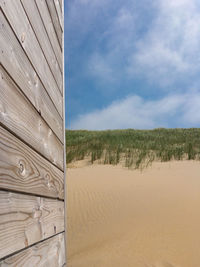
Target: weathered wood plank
<point x="28" y="40"/>
<point x="55" y="20"/>
<point x="23" y="170"/>
<point x="59" y="13"/>
<point x="40" y="32"/>
<point x="25" y="220"/>
<point x="61" y="5"/>
<point x="20" y="117"/>
<point x="44" y="12"/>
<point x="19" y="67"/>
<point x="37" y="255"/>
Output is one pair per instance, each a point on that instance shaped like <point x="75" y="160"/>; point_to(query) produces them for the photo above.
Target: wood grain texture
<point x="61" y="3"/>
<point x="25" y="220"/>
<point x="20" y="69"/>
<point x="32" y="210"/>
<point x="21" y="118"/>
<point x="23" y="170"/>
<point x="26" y="36"/>
<point x="59" y="13"/>
<point x="37" y="255"/>
<point x="41" y="34"/>
<point x="44" y="12"/>
<point x="55" y="20"/>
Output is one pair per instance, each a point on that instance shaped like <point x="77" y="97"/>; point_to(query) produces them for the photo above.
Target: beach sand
<point x="127" y="218"/>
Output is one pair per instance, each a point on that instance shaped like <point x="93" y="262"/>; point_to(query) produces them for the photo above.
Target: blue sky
<point x="132" y="64"/>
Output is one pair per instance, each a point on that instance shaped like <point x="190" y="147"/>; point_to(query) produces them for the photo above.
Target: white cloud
<point x="155" y="40"/>
<point x="135" y="112"/>
<point x="106" y="66"/>
<point x="171" y="46"/>
<point x="165" y="52"/>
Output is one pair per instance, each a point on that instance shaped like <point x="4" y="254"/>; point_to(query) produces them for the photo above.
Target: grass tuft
<point x="136" y="148"/>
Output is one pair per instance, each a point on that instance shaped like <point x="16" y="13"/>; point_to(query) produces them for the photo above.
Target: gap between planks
<point x="24" y="32"/>
<point x="26" y="220"/>
<point x="13" y="258"/>
<point x="22" y="72"/>
<point x="37" y="135"/>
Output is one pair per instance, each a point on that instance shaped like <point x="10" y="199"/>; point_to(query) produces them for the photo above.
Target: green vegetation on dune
<point x="135" y="147"/>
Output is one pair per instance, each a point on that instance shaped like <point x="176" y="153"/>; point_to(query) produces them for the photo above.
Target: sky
<point x="132" y="64"/>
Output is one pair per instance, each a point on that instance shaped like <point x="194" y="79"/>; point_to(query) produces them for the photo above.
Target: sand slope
<point x="123" y="218"/>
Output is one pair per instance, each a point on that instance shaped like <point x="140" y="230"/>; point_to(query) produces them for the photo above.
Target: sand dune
<point x="124" y="218"/>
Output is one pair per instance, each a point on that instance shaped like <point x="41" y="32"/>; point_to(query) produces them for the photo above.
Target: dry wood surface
<point x="30" y="44"/>
<point x="61" y="5"/>
<point x="37" y="254"/>
<point x="44" y="12"/>
<point x="22" y="119"/>
<point x="26" y="219"/>
<point x="17" y="64"/>
<point x="22" y="169"/>
<point x="55" y="19"/>
<point x="32" y="187"/>
<point x="41" y="34"/>
<point x="59" y="12"/>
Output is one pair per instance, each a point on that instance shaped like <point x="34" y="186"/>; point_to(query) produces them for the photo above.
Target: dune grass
<point x="135" y="148"/>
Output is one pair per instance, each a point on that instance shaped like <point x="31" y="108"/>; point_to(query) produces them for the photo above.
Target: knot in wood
<point x="47" y="179"/>
<point x="22" y="169"/>
<point x="23" y="37"/>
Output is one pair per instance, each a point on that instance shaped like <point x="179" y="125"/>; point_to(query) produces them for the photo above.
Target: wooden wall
<point x="32" y="155"/>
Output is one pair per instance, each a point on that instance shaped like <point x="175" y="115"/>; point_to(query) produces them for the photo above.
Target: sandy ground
<point x="124" y="218"/>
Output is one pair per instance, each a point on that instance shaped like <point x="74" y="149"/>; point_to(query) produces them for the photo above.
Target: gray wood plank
<point x="59" y="13"/>
<point x="37" y="254"/>
<point x="41" y="34"/>
<point x="19" y="67"/>
<point x="44" y="12"/>
<point x="21" y="118"/>
<point x="24" y="32"/>
<point x="55" y="20"/>
<point x="24" y="170"/>
<point x="25" y="220"/>
<point x="61" y="5"/>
